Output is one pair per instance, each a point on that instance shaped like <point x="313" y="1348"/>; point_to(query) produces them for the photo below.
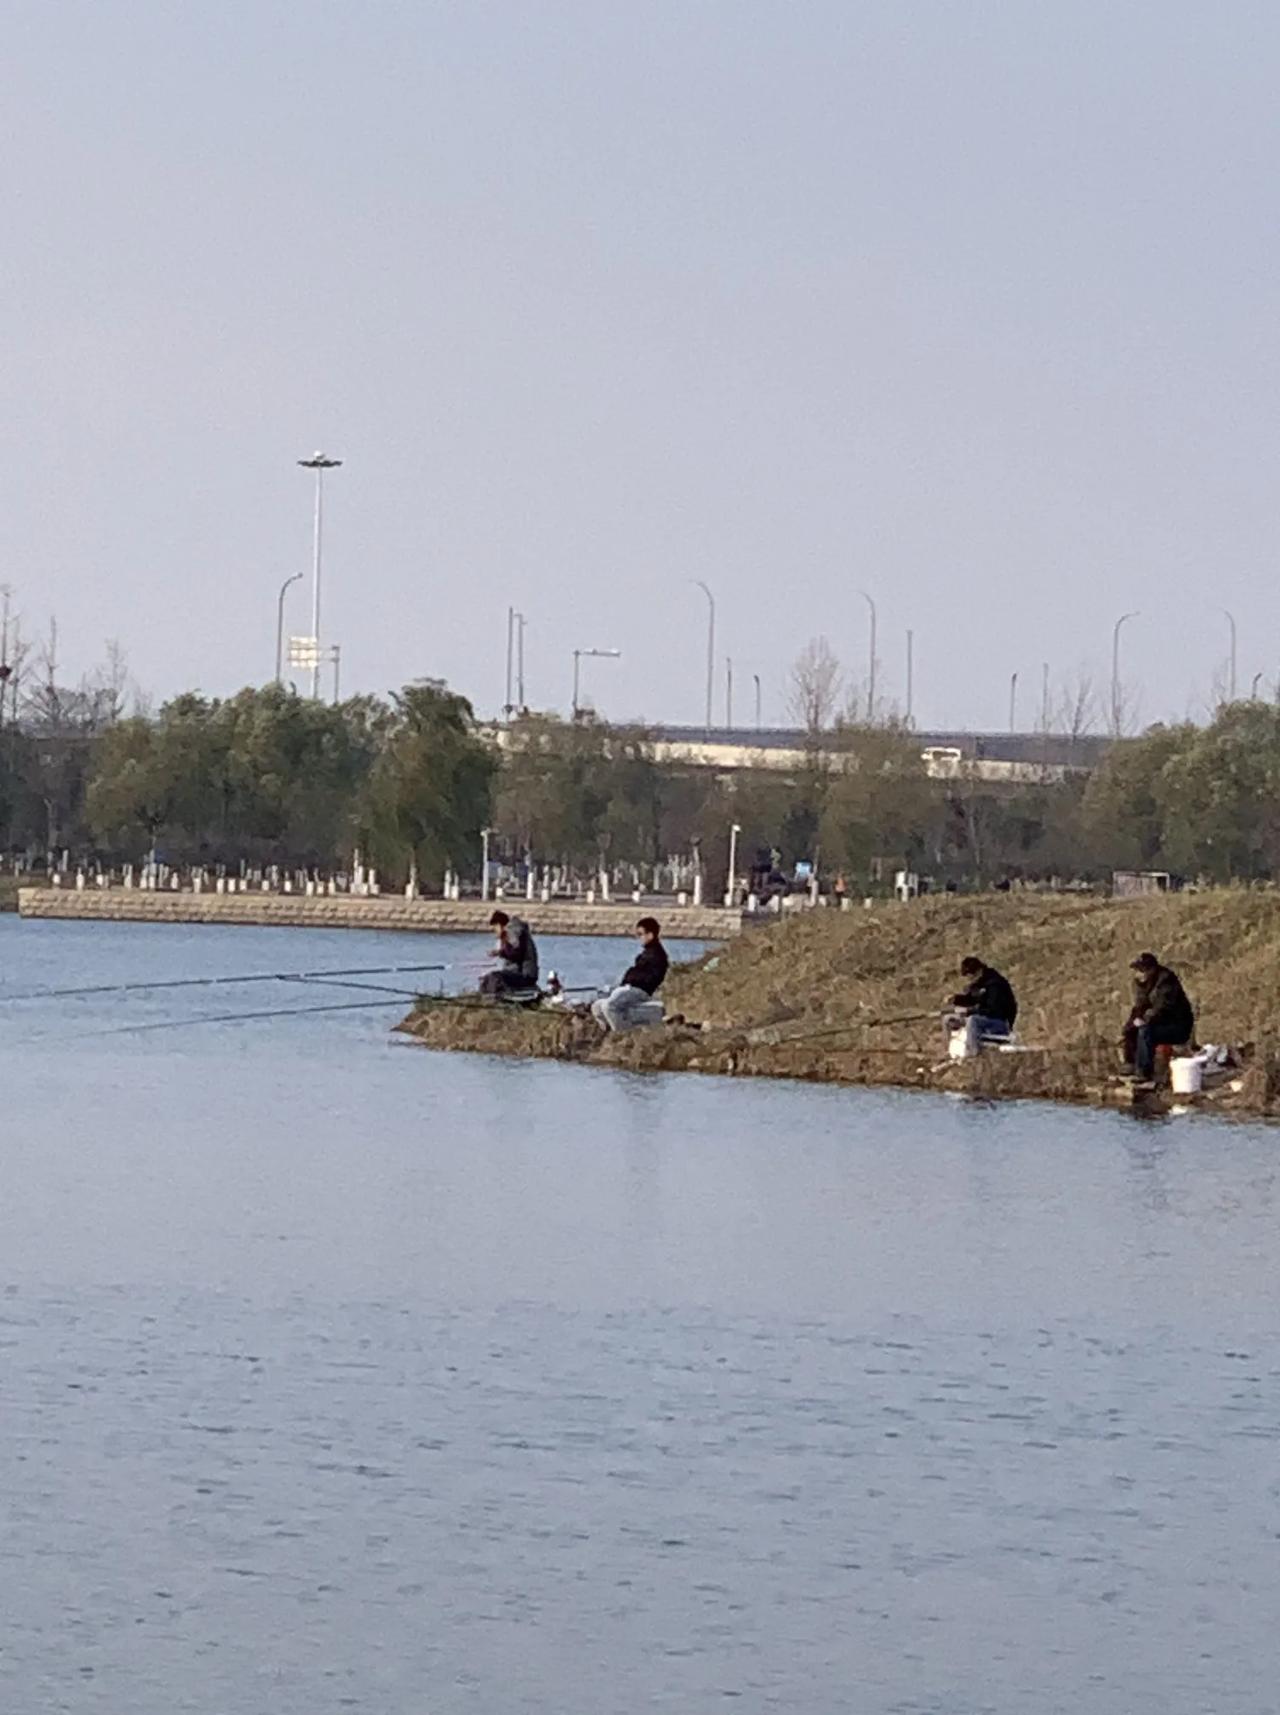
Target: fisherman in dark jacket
<point x="632" y="1002"/>
<point x="1162" y="1016"/>
<point x="989" y="1000"/>
<point x="519" y="954"/>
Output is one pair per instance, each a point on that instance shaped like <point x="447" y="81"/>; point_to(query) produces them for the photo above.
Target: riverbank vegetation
<point x="857" y="997"/>
<point x="269" y="777"/>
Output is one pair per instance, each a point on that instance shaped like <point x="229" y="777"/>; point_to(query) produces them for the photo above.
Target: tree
<point x="814" y="686"/>
<point x="429" y="789"/>
<point x="555" y="790"/>
<point x="879" y="802"/>
<point x="1123" y="811"/>
<point x="1219" y="796"/>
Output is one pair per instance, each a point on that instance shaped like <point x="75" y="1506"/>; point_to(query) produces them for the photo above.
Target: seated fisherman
<point x="519" y="955"/>
<point x="1161" y="1016"/>
<point x="632" y="1003"/>
<point x="989" y="1000"/>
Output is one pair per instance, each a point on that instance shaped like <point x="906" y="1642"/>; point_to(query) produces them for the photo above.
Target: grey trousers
<point x="626" y="1008"/>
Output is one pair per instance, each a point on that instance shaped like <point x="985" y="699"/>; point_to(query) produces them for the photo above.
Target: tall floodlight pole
<point x="871" y="666"/>
<point x="1044" y="696"/>
<point x="1116" y="711"/>
<point x="511" y="654"/>
<point x="756" y="680"/>
<point x="1231" y="671"/>
<point x="520" y="625"/>
<point x="911" y="643"/>
<point x="1013" y="702"/>
<point x="728" y="692"/>
<point x="711" y="647"/>
<point x="318" y="463"/>
<point x="280" y="625"/>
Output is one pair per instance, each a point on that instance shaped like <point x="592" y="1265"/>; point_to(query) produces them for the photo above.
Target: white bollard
<point x="682" y="899"/>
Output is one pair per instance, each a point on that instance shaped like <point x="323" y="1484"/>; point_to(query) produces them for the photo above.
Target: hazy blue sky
<point x="971" y="306"/>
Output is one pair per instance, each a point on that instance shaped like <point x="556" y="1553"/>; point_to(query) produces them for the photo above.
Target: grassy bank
<point x="829" y="996"/>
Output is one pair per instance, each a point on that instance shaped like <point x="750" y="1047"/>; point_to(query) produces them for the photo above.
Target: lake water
<point x="339" y="1375"/>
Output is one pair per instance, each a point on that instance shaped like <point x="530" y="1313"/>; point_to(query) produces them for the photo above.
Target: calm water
<point x="343" y="1376"/>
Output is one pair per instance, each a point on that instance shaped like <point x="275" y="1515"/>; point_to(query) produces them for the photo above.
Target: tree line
<point x="412" y="780"/>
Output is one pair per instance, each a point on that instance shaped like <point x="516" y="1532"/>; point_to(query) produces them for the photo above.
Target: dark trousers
<point x="1141" y="1042"/>
<point x="504" y="981"/>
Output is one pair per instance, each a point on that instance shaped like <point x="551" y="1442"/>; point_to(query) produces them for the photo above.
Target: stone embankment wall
<point x="342" y="911"/>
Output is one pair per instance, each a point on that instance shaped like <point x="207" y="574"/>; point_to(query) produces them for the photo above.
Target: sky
<point x="970" y="307"/>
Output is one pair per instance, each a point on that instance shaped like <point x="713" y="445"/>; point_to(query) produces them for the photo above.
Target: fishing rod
<point x="240" y="1017"/>
<point x="222" y="981"/>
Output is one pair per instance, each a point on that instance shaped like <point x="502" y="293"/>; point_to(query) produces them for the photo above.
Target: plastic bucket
<point x="962" y="1043"/>
<point x="1186" y="1075"/>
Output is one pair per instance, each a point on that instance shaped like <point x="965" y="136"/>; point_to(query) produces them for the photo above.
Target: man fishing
<point x="519" y="954"/>
<point x="632" y="1003"/>
<point x="1162" y="1016"/>
<point x="989" y="1000"/>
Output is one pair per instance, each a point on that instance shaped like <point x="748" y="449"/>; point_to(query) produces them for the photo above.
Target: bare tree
<point x="107" y="688"/>
<point x="1076" y="705"/>
<point x="814" y="686"/>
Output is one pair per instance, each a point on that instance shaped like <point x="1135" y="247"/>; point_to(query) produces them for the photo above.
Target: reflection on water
<point x="340" y="1375"/>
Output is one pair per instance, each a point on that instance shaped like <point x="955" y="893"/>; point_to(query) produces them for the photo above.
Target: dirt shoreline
<point x="856" y="998"/>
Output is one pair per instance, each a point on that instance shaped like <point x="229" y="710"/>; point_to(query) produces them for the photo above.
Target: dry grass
<point x="814" y="997"/>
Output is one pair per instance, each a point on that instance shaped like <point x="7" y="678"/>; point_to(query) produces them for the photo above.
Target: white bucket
<point x="962" y="1043"/>
<point x="1186" y="1075"/>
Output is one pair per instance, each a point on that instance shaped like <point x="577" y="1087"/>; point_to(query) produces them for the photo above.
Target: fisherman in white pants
<point x="633" y="1002"/>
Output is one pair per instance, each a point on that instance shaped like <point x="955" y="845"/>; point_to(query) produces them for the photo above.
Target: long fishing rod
<point x="240" y="1017"/>
<point x="221" y="981"/>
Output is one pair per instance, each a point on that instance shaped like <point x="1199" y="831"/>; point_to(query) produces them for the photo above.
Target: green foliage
<point x="429" y="790"/>
<point x="879" y="803"/>
<point x="1123" y="813"/>
<point x="272" y="777"/>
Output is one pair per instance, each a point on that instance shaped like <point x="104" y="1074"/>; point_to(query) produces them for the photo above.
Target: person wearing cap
<point x="989" y="1000"/>
<point x="632" y="1003"/>
<point x="519" y="954"/>
<point x="1162" y="1015"/>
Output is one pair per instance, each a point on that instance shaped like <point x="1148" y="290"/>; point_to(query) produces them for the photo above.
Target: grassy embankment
<point x="816" y="997"/>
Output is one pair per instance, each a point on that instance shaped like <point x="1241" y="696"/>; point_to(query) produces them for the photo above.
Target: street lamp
<point x="734" y="831"/>
<point x="1013" y="702"/>
<point x="520" y="625"/>
<point x="319" y="463"/>
<point x="1231" y="674"/>
<point x="755" y="677"/>
<point x="728" y="692"/>
<point x="1116" y="711"/>
<point x="578" y="655"/>
<point x="711" y="646"/>
<point x="1253" y="689"/>
<point x="871" y="669"/>
<point x="911" y="645"/>
<point x="280" y="625"/>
